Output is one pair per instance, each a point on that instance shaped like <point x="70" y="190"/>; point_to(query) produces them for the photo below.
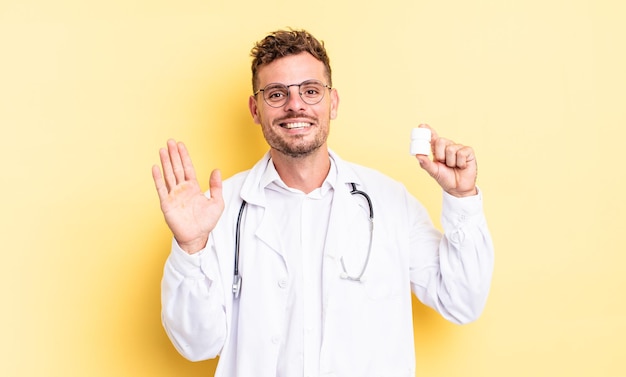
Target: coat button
<point x="282" y="283"/>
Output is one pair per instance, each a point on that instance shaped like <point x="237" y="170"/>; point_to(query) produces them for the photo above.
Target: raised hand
<point x="190" y="215"/>
<point x="453" y="166"/>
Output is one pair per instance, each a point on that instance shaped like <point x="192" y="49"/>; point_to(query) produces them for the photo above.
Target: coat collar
<point x="253" y="193"/>
<point x="344" y="210"/>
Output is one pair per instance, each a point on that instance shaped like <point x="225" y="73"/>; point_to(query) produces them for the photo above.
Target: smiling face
<point x="296" y="129"/>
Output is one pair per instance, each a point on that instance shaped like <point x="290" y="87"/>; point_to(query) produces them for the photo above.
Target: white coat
<point x="367" y="326"/>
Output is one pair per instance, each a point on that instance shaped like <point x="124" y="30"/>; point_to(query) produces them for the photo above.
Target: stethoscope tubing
<point x="237" y="278"/>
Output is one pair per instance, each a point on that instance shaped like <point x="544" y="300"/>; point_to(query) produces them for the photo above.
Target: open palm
<point x="188" y="212"/>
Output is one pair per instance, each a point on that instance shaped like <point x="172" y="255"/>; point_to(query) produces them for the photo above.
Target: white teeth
<point x="297" y="125"/>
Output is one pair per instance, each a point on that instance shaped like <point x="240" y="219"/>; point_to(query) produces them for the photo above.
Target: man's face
<point x="296" y="129"/>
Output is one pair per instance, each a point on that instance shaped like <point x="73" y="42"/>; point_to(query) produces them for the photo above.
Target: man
<point x="304" y="265"/>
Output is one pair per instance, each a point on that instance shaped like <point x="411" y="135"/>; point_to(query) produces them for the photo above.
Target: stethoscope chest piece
<point x="236" y="285"/>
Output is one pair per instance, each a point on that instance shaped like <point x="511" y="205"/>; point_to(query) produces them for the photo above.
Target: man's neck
<point x="303" y="173"/>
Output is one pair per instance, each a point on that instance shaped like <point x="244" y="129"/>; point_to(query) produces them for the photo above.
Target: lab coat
<point x="367" y="327"/>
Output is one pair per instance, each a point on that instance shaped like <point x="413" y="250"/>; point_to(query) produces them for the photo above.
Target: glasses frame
<point x="289" y="92"/>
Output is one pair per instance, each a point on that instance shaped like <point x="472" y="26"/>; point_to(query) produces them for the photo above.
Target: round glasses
<point x="277" y="95"/>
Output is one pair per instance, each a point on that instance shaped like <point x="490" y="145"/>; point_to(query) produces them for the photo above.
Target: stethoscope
<point x="344" y="275"/>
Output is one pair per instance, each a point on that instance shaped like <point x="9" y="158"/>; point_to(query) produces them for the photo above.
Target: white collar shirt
<point x="303" y="224"/>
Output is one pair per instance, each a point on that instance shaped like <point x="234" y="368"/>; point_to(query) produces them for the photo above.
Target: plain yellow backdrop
<point x="90" y="90"/>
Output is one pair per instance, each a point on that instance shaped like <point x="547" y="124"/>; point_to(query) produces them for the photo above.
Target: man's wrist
<point x="463" y="194"/>
<point x="194" y="246"/>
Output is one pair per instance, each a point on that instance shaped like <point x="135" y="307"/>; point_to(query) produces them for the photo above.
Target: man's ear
<point x="334" y="103"/>
<point x="254" y="109"/>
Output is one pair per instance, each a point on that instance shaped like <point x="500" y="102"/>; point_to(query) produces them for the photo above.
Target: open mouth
<point x="291" y="126"/>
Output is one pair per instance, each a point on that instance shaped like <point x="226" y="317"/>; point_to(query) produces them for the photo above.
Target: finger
<point x="451" y="155"/>
<point x="439" y="148"/>
<point x="166" y="164"/>
<point x="177" y="165"/>
<point x="215" y="185"/>
<point x="428" y="165"/>
<point x="464" y="157"/>
<point x="188" y="169"/>
<point x="159" y="182"/>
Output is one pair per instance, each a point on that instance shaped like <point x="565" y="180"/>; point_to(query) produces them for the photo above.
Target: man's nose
<point x="294" y="100"/>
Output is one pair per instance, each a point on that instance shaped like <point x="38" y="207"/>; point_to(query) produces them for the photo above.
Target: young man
<point x="304" y="265"/>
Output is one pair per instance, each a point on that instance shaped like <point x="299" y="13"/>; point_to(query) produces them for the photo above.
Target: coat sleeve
<point x="452" y="272"/>
<point x="192" y="303"/>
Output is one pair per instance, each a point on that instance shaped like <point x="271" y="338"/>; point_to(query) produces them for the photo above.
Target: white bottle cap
<point x="420" y="141"/>
<point x="421" y="133"/>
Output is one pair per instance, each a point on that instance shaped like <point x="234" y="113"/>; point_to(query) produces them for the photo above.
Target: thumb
<point x="215" y="184"/>
<point x="427" y="164"/>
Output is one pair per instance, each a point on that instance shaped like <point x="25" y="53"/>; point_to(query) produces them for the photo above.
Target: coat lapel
<point x="258" y="212"/>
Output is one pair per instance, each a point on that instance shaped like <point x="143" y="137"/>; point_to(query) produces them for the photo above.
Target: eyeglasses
<point x="277" y="95"/>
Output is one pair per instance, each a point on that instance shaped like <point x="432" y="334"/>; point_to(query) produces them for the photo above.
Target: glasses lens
<point x="312" y="92"/>
<point x="275" y="94"/>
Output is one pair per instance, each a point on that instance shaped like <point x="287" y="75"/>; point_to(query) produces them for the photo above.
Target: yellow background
<point x="89" y="90"/>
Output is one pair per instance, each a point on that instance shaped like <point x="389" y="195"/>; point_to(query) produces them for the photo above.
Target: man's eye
<point x="276" y="94"/>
